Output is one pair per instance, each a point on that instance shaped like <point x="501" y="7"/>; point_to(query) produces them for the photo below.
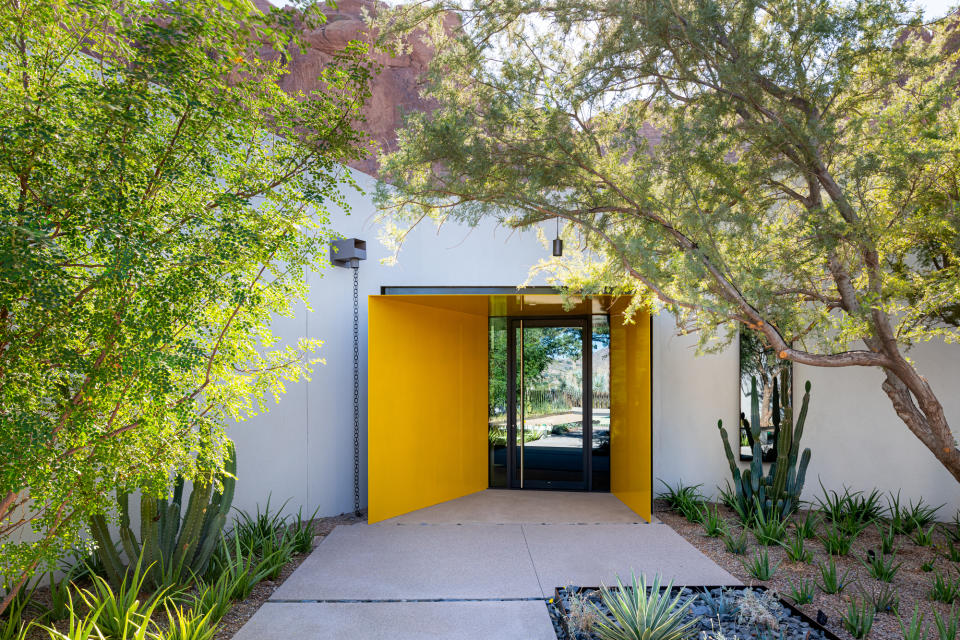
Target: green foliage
<point x="951" y="552"/>
<point x="947" y="626"/>
<point x="215" y="598"/>
<point x="642" y="612"/>
<point x="59" y="598"/>
<point x="795" y="547"/>
<point x="759" y="566"/>
<point x="859" y="618"/>
<point x="684" y="499"/>
<point x="239" y="568"/>
<point x="769" y="529"/>
<point x="739" y="164"/>
<point x="735" y="543"/>
<point x="927" y="566"/>
<point x="178" y="547"/>
<point x="13" y="626"/>
<point x="836" y="541"/>
<point x="944" y="588"/>
<point x="801" y="593"/>
<point x="713" y="523"/>
<point x="906" y="518"/>
<point x="831" y="581"/>
<point x="885" y="598"/>
<point x="923" y="538"/>
<point x="777" y="492"/>
<point x="888" y="538"/>
<point x="156" y="216"/>
<point x="302" y="532"/>
<point x="807" y="527"/>
<point x="121" y="613"/>
<point x="189" y="625"/>
<point x="881" y="567"/>
<point x="260" y="532"/>
<point x="914" y="629"/>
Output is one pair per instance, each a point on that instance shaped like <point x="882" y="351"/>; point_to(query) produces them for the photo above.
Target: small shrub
<point x="759" y="566"/>
<point x="881" y="567"/>
<point x="831" y="581"/>
<point x="952" y="551"/>
<point x="122" y="613"/>
<point x="888" y="538"/>
<point x="59" y="599"/>
<point x="582" y="616"/>
<point x="923" y="538"/>
<point x="944" y="589"/>
<point x="260" y="532"/>
<point x="719" y="605"/>
<point x="914" y="629"/>
<point x="802" y="593"/>
<point x="713" y="523"/>
<point x="215" y="598"/>
<point x="859" y="618"/>
<point x="758" y="609"/>
<point x="640" y="613"/>
<point x="947" y="626"/>
<point x="808" y="526"/>
<point x="80" y="627"/>
<point x="922" y="514"/>
<point x="238" y="567"/>
<point x="795" y="548"/>
<point x="768" y="529"/>
<point x="927" y="566"/>
<point x="189" y="625"/>
<point x="736" y="544"/>
<point x="680" y="495"/>
<point x="853" y="508"/>
<point x="884" y="598"/>
<point x="836" y="541"/>
<point x="13" y="626"/>
<point x="302" y="532"/>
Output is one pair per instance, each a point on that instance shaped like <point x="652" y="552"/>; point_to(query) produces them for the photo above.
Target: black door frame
<point x="585" y="323"/>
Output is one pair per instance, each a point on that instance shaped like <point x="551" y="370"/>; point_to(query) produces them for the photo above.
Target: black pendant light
<point x="557" y="242"/>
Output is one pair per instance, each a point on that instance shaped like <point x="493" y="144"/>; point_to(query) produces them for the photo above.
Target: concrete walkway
<point x="476" y="567"/>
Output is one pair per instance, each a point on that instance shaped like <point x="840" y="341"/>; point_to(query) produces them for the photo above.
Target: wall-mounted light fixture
<point x="557" y="242"/>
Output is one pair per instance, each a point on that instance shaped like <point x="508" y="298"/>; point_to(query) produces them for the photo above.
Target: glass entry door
<point x="550" y="403"/>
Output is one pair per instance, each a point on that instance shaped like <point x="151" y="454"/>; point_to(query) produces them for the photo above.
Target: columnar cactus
<point x="779" y="490"/>
<point x="166" y="539"/>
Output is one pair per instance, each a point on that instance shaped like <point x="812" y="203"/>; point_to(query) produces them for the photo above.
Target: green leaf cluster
<point x="162" y="201"/>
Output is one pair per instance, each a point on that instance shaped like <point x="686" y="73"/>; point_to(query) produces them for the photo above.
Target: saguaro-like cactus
<point x="166" y="538"/>
<point x="779" y="490"/>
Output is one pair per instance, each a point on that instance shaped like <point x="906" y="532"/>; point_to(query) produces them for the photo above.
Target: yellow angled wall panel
<point x="427" y="402"/>
<point x="630" y="417"/>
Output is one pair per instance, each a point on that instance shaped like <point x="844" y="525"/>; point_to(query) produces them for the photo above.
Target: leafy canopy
<point x="161" y="200"/>
<point x="788" y="165"/>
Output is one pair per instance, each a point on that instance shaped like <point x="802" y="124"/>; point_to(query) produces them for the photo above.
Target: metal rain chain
<point x="348" y="254"/>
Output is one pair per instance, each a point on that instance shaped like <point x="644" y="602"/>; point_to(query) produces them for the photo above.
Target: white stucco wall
<point x="302" y="448"/>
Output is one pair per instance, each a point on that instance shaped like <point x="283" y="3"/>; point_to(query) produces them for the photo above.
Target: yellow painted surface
<point x="427" y="401"/>
<point x="631" y="455"/>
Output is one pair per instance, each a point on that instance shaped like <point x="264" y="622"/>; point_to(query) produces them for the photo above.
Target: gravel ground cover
<point x="721" y="612"/>
<point x="912" y="584"/>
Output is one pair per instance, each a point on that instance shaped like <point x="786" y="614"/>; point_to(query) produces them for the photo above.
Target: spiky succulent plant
<point x="642" y="613"/>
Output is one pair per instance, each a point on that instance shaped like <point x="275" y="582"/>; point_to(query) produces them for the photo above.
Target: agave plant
<point x="642" y="614"/>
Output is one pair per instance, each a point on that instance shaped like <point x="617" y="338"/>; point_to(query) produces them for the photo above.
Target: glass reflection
<point x="600" y="408"/>
<point x="550" y="435"/>
<point x="766" y="396"/>
<point x="497" y="402"/>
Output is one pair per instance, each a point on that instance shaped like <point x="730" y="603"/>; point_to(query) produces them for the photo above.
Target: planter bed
<point x="791" y="623"/>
